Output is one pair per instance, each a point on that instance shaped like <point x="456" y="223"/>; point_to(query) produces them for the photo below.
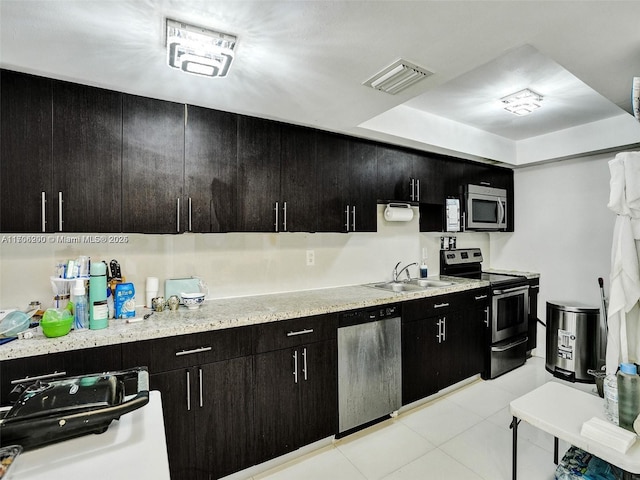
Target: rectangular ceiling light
<point x="198" y="50"/>
<point x="397" y="77"/>
<point x="523" y="102"/>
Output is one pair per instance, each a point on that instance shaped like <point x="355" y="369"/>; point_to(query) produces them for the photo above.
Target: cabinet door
<point x="298" y="180"/>
<point x="318" y="391"/>
<point x="363" y="185"/>
<point x="333" y="181"/>
<point x="439" y="178"/>
<point x="211" y="144"/>
<point x="421" y="352"/>
<point x="396" y="174"/>
<point x="534" y="290"/>
<point x="25" y="153"/>
<point x="179" y="423"/>
<point x="277" y="412"/>
<point x="153" y="165"/>
<point x="224" y="419"/>
<point x="87" y="168"/>
<point x="258" y="174"/>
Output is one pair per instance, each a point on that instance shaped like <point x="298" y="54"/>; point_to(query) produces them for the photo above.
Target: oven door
<point x="510" y="317"/>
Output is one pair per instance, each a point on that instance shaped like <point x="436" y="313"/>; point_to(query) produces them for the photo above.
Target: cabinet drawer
<point x="428" y="307"/>
<point x="291" y="333"/>
<point x="165" y="354"/>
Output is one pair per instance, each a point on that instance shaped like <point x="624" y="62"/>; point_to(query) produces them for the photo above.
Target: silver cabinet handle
<point x="178" y="215"/>
<point x="439" y="335"/>
<point x="191" y="352"/>
<point x="60" y="211"/>
<point x="43" y="209"/>
<point x="300" y="332"/>
<point x="481" y="297"/>
<point x="284" y="216"/>
<point x="188" y="391"/>
<point x="200" y="386"/>
<point x="295" y="366"/>
<point x="353" y="219"/>
<point x="441" y="305"/>
<point x="346" y="225"/>
<point x="190" y="228"/>
<point x="304" y="363"/>
<point x="277" y="221"/>
<point x="417" y="190"/>
<point x="486" y="319"/>
<point x="444" y="329"/>
<point x="47" y="376"/>
<point x="412" y="182"/>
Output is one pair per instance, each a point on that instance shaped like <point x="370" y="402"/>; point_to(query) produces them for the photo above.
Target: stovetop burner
<point x="467" y="263"/>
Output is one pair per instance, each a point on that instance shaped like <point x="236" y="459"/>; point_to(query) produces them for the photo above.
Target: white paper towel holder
<point x="398" y="212"/>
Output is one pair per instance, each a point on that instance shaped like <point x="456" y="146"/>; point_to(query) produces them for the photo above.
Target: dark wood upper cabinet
<point x="258" y="174"/>
<point x="25" y="154"/>
<point x="210" y="166"/>
<point x="347" y="184"/>
<point x="397" y="174"/>
<point x="298" y="190"/>
<point x="153" y="166"/>
<point x="87" y="152"/>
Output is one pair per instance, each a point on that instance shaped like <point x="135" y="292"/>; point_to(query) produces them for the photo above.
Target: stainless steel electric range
<point x="509" y="317"/>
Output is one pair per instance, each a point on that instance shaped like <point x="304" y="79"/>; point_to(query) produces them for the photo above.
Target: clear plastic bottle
<point x="610" y="387"/>
<point x="81" y="306"/>
<point x="628" y="395"/>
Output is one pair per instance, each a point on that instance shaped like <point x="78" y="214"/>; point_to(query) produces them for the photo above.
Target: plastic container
<point x="98" y="309"/>
<point x="610" y="387"/>
<point x="424" y="272"/>
<point x="14" y="323"/>
<point x="56" y="322"/>
<point x="628" y="395"/>
<point x="81" y="306"/>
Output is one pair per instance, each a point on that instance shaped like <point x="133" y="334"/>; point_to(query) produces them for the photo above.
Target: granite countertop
<point x="226" y="313"/>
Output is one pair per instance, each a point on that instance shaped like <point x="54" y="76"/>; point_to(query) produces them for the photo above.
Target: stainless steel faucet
<point x="396" y="274"/>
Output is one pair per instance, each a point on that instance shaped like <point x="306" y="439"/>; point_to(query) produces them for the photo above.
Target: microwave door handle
<point x="501" y="213"/>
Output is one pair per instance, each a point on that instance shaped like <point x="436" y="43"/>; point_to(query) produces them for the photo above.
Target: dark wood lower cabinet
<point x="296" y="398"/>
<point x="208" y="412"/>
<point x="443" y="348"/>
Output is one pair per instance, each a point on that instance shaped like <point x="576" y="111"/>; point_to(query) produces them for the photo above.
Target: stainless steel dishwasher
<point x="369" y="366"/>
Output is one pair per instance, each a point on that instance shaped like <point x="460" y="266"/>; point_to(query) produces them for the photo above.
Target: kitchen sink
<point x="425" y="282"/>
<point x="398" y="286"/>
<point x="415" y="285"/>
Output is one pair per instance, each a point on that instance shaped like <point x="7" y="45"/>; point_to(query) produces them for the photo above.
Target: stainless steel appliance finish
<point x="486" y="208"/>
<point x="369" y="366"/>
<point x="572" y="339"/>
<point x="509" y="320"/>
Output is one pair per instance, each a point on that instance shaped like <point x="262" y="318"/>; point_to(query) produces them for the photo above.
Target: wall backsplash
<point x="232" y="264"/>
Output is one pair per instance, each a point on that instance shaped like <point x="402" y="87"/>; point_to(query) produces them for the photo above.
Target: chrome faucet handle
<point x="394" y="273"/>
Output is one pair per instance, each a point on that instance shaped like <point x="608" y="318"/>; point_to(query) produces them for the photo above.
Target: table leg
<point x="514" y="457"/>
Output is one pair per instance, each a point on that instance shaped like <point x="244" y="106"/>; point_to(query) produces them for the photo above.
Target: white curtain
<point x="623" y="340"/>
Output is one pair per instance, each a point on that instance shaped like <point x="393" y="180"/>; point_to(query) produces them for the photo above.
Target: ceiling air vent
<point x="397" y="76"/>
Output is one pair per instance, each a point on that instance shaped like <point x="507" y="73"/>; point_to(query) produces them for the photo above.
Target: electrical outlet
<point x="311" y="258"/>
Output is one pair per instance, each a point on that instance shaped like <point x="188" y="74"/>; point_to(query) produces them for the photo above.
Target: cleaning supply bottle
<point x="98" y="310"/>
<point x="628" y="395"/>
<point x="423" y="264"/>
<point x="80" y="306"/>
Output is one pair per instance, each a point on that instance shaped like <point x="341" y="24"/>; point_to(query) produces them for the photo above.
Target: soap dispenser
<point x="423" y="264"/>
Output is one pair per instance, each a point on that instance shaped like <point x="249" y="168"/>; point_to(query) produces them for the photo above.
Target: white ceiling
<point x="304" y="62"/>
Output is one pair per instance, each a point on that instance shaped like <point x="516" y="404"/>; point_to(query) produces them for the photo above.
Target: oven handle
<point x="510" y="345"/>
<point x="511" y="290"/>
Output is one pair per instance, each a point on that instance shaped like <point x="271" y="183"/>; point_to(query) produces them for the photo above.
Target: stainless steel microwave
<point x="486" y="208"/>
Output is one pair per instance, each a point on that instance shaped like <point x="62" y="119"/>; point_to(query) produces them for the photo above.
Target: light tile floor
<point x="463" y="435"/>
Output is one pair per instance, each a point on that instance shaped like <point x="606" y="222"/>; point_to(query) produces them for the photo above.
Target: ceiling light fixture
<point x="523" y="102"/>
<point x="198" y="50"/>
<point x="397" y="76"/>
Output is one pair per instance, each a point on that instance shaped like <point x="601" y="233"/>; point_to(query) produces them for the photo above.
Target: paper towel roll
<point x="398" y="213"/>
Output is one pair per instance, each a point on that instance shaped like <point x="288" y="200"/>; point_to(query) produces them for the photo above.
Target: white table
<point x="132" y="447"/>
<point x="561" y="410"/>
